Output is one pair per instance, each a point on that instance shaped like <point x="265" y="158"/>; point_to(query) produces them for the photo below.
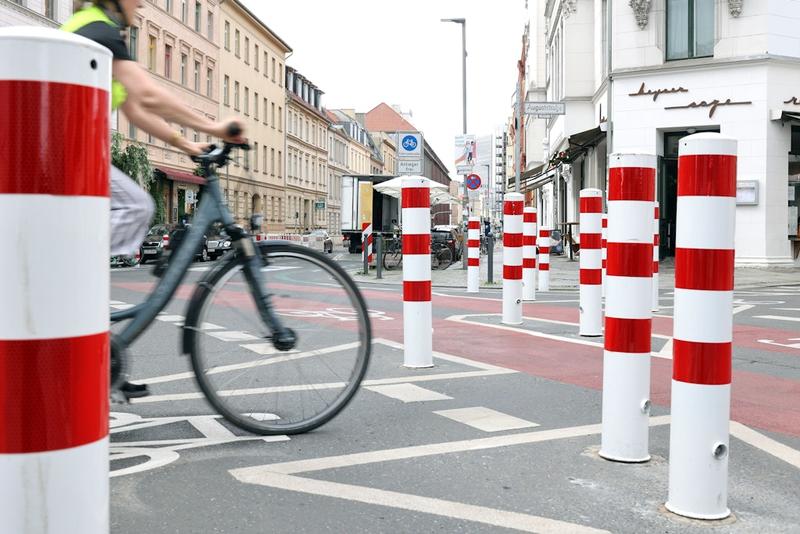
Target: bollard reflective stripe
<point x="54" y="335"/>
<point x="603" y="245"/>
<point x="591" y="306"/>
<point x="703" y="327"/>
<point x="417" y="311"/>
<point x="366" y="240"/>
<point x="544" y="259"/>
<point x="629" y="298"/>
<point x="656" y="239"/>
<point x="512" y="258"/>
<point x="473" y="254"/>
<point x="529" y="254"/>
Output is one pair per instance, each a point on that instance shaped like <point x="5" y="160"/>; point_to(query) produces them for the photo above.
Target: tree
<point x="132" y="159"/>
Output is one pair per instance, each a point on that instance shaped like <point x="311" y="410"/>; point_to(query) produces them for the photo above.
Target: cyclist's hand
<point x="194" y="149"/>
<point x="236" y="125"/>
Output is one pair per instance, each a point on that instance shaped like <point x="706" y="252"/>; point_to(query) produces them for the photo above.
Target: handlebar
<point x="219" y="156"/>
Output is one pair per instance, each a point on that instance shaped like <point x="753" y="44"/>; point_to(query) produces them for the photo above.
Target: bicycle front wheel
<point x="258" y="387"/>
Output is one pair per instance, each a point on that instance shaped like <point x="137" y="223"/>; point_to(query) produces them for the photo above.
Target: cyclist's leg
<point x="131" y="212"/>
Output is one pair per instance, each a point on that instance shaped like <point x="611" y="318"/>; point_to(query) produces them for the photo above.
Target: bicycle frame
<point x="212" y="209"/>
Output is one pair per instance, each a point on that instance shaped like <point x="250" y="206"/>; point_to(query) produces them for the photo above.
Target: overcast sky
<point x="363" y="52"/>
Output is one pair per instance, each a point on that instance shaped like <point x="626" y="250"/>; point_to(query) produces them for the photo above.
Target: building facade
<point x="307" y="152"/>
<point x="47" y="13"/>
<point x="338" y="157"/>
<point x="251" y="86"/>
<point x="727" y="67"/>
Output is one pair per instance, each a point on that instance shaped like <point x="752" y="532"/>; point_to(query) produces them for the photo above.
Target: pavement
<point x="501" y="435"/>
<point x="564" y="274"/>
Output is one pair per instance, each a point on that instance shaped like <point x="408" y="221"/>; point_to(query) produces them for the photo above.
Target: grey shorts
<point x="131" y="212"/>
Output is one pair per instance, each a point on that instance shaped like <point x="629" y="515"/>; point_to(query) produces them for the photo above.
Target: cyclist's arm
<point x="157" y="127"/>
<point x="146" y="96"/>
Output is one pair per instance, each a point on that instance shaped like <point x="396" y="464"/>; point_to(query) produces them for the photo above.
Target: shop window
<point x="690" y="29"/>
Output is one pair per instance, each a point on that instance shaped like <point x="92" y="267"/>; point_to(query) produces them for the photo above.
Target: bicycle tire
<point x="393" y="260"/>
<point x="234" y="404"/>
<point x="443" y="258"/>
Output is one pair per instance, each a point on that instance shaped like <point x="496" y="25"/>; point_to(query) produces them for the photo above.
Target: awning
<point x="181" y="176"/>
<point x="785" y="116"/>
<point x="536" y="178"/>
<point x="580" y="142"/>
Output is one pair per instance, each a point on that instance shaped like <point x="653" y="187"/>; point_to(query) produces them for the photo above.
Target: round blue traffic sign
<point x="410" y="143"/>
<point x="473" y="182"/>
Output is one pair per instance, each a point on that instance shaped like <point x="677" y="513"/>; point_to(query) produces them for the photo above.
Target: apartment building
<point x="338" y="166"/>
<point x="677" y="68"/>
<point x="47" y="13"/>
<point x="307" y="177"/>
<point x="251" y="85"/>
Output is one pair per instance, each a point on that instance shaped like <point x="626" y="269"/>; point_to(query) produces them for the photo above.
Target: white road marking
<point x="787" y="309"/>
<point x="778" y="318"/>
<point x="265" y="349"/>
<point x="211" y="428"/>
<point x="769" y="445"/>
<point x="666" y="350"/>
<point x="790" y="345"/>
<point x="122" y="306"/>
<point x="199" y="269"/>
<point x="743" y="307"/>
<point x="428" y="505"/>
<point x="486" y="419"/>
<point x="449" y="357"/>
<point x="171" y="318"/>
<point x="113" y="302"/>
<point x="408" y="393"/>
<point x="232" y="335"/>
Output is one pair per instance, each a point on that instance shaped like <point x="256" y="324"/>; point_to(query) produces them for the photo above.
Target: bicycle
<point x="441" y="256"/>
<point x="393" y="256"/>
<point x="273" y="371"/>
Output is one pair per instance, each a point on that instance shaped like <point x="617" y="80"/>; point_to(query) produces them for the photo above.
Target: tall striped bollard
<point x="656" y="239"/>
<point x="603" y="245"/>
<point x="544" y="259"/>
<point x="512" y="258"/>
<point x="591" y="298"/>
<point x="417" y="312"/>
<point x="701" y="370"/>
<point x="366" y="241"/>
<point x="473" y="254"/>
<point x="626" y="360"/>
<point x="529" y="254"/>
<point x="54" y="332"/>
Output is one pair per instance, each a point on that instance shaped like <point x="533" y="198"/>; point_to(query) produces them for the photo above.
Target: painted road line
<point x="666" y="350"/>
<point x="449" y="357"/>
<point x="769" y="445"/>
<point x="464" y="319"/>
<point x="408" y="393"/>
<point x="428" y="505"/>
<point x="114" y="302"/>
<point x="232" y="335"/>
<point x="122" y="306"/>
<point x="777" y="318"/>
<point x="171" y="318"/>
<point x="790" y="345"/>
<point x="265" y="349"/>
<point x="743" y="307"/>
<point x="787" y="309"/>
<point x="486" y="419"/>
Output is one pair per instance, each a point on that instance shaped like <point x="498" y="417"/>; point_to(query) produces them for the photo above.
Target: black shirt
<point x="106" y="35"/>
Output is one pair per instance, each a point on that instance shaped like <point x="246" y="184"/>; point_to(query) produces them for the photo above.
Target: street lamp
<point x="463" y="23"/>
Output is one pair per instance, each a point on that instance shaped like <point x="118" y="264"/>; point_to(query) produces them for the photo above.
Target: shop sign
<point x="711" y="104"/>
<point x="655" y="93"/>
<point x="794" y="100"/>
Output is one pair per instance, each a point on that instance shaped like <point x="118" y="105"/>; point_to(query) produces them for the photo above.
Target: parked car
<point x="177" y="235"/>
<point x="327" y="242"/>
<point x="155" y="243"/>
<point x="219" y="243"/>
<point x="448" y="238"/>
<point x="458" y="236"/>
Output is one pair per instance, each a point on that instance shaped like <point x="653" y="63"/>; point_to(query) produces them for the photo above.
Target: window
<point x="273" y="114"/>
<point x="168" y="6"/>
<point x="255" y="157"/>
<point x="210" y="26"/>
<point x="236" y="43"/>
<point x="198" y="15"/>
<point x="255" y="56"/>
<point x="273" y="69"/>
<point x="151" y="54"/>
<point x="196" y="136"/>
<point x="132" y="131"/>
<point x="280" y="118"/>
<point x="197" y="76"/>
<point x="280" y="74"/>
<point x="210" y="83"/>
<point x="247" y="50"/>
<point x="265" y="111"/>
<point x="226" y="83"/>
<point x="266" y="63"/>
<point x="184" y="59"/>
<point x="168" y="62"/>
<point x="236" y="96"/>
<point x="255" y="106"/>
<point x="280" y="164"/>
<point x="133" y="42"/>
<point x="604" y="52"/>
<point x="265" y="160"/>
<point x="227" y="35"/>
<point x="184" y="11"/>
<point x="50" y="9"/>
<point x="247" y="101"/>
<point x="272" y="162"/>
<point x="690" y="29"/>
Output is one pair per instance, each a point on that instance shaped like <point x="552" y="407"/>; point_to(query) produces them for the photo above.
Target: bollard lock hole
<point x="93" y="64"/>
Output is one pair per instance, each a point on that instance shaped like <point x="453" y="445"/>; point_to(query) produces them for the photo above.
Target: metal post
<point x="490" y="259"/>
<point x="518" y="138"/>
<point x="365" y="254"/>
<point x="378" y="256"/>
<point x="464" y="203"/>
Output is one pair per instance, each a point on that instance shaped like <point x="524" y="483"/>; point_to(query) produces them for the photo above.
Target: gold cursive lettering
<point x="794" y="100"/>
<point x="713" y="105"/>
<point x="655" y="93"/>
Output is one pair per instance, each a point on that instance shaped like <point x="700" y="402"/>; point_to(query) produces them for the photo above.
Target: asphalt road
<point x="500" y="436"/>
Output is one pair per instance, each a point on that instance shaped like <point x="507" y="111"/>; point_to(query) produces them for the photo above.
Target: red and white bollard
<point x="473" y="254"/>
<point x="366" y="240"/>
<point x="591" y="261"/>
<point x="626" y="360"/>
<point x="512" y="258"/>
<point x="701" y="370"/>
<point x="656" y="239"/>
<point x="604" y="244"/>
<point x="54" y="332"/>
<point x="544" y="259"/>
<point x="529" y="254"/>
<point x="417" y="312"/>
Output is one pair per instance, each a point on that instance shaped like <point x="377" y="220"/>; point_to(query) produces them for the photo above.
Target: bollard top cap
<point x="707" y="144"/>
<point x="52" y="35"/>
<point x="646" y="161"/>
<point x="591" y="192"/>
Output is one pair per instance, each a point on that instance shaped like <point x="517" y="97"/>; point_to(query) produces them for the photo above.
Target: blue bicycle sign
<point x="409" y="143"/>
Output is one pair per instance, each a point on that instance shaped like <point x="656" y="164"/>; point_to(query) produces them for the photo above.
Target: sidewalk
<point x="564" y="275"/>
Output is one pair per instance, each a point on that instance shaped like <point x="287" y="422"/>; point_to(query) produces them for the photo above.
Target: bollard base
<point x="510" y="323"/>
<point x="591" y="335"/>
<point x="621" y="460"/>
<point x="725" y="517"/>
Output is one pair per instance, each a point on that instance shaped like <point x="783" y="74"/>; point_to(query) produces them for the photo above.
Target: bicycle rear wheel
<point x="249" y="381"/>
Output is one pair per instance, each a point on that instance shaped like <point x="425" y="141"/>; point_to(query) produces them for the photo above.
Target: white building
<point x="678" y="67"/>
<point x="48" y="13"/>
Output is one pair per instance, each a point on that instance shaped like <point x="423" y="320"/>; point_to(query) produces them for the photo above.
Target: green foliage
<point x="132" y="159"/>
<point x="157" y="192"/>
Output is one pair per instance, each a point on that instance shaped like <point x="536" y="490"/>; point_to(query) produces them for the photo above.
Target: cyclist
<point x="148" y="106"/>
